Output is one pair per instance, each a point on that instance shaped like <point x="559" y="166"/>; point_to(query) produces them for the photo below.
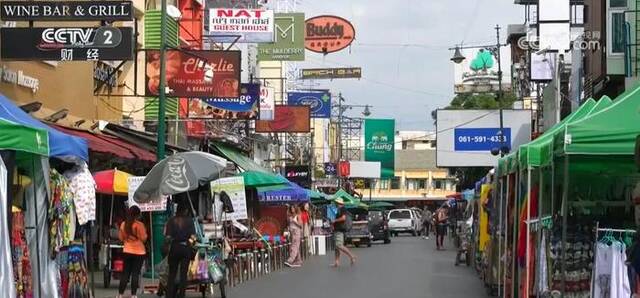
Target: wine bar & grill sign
<point x="66" y="10"/>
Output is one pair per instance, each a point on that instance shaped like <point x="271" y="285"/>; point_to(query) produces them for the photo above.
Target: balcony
<point x="405" y="195"/>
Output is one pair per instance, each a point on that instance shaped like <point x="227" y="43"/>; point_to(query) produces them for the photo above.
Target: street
<point x="409" y="267"/>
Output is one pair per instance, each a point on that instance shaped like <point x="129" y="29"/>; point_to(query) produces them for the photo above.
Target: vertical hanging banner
<point x="319" y="102"/>
<point x="379" y="138"/>
<point x="241" y="25"/>
<point x="289" y="39"/>
<point x="267" y="103"/>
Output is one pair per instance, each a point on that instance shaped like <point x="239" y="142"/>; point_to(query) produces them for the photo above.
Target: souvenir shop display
<point x="62" y="222"/>
<point x="578" y="252"/>
<point x="20" y="256"/>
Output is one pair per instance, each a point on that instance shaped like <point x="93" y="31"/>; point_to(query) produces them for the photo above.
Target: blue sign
<point x="247" y="102"/>
<point x="318" y="101"/>
<point x="330" y="169"/>
<point x="481" y="139"/>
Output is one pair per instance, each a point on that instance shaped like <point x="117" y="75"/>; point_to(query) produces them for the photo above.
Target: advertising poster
<point x="289" y="39"/>
<point x="267" y="103"/>
<point x="300" y="175"/>
<point x="66" y="10"/>
<point x="293" y="119"/>
<point x="244" y="107"/>
<point x="319" y="102"/>
<point x="379" y="138"/>
<point x="241" y="25"/>
<point x="195" y="73"/>
<point x="234" y="187"/>
<point x="157" y="204"/>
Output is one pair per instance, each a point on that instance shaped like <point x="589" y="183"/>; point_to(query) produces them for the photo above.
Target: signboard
<point x="243" y="107"/>
<point x="542" y="67"/>
<point x="18" y="77"/>
<point x="364" y="169"/>
<point x="379" y="139"/>
<point x="319" y="102"/>
<point x="289" y="39"/>
<point x="481" y="139"/>
<point x="101" y="72"/>
<point x="294" y="119"/>
<point x="66" y="11"/>
<point x="241" y="25"/>
<point x="478" y="72"/>
<point x="330" y="169"/>
<point x="331" y="73"/>
<point x="300" y="175"/>
<point x="344" y="170"/>
<point x="195" y="73"/>
<point x="466" y="137"/>
<point x="66" y="44"/>
<point x="267" y="103"/>
<point x="328" y="34"/>
<point x="156" y="204"/>
<point x="234" y="187"/>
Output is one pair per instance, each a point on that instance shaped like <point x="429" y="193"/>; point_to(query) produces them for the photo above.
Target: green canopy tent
<point x="261" y="179"/>
<point x="381" y="205"/>
<point x="349" y="200"/>
<point x="23" y="138"/>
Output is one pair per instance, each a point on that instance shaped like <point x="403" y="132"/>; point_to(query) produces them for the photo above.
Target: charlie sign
<point x="66" y="11"/>
<point x="379" y="137"/>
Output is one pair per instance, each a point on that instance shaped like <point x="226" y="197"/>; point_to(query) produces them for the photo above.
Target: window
<point x="617" y="32"/>
<point x="618" y="3"/>
<point x="395" y="183"/>
<point x="402" y="214"/>
<point x="577" y="14"/>
<point x="384" y="184"/>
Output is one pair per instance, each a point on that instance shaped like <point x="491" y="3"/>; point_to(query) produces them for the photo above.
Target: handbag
<point x="192" y="274"/>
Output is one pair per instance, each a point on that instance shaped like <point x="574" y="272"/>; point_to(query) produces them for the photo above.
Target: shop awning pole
<point x="514" y="237"/>
<point x="565" y="212"/>
<point x="506" y="242"/>
<point x="540" y="230"/>
<point x="527" y="243"/>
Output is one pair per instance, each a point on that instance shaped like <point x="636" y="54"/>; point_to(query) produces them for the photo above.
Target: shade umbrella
<point x="180" y="173"/>
<point x="112" y="182"/>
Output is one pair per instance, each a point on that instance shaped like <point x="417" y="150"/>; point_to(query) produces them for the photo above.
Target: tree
<point x="467" y="176"/>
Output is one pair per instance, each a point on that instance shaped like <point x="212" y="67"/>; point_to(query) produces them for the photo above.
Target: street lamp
<point x="495" y="51"/>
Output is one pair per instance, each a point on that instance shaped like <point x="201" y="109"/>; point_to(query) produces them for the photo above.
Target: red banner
<point x="201" y="74"/>
<point x="293" y="119"/>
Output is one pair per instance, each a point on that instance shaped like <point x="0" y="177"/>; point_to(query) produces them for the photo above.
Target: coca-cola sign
<point x="328" y="34"/>
<point x="177" y="178"/>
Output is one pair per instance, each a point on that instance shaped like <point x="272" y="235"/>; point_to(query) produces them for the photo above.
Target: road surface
<point x="409" y="267"/>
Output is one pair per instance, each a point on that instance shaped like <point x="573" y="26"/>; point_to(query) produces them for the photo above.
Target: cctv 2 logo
<point x="102" y="37"/>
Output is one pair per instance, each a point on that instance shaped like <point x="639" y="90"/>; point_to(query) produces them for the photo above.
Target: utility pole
<point x="160" y="152"/>
<point x="499" y="93"/>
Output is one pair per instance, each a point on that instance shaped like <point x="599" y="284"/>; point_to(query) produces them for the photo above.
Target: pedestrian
<point x="133" y="234"/>
<point x="295" y="230"/>
<point x="442" y="218"/>
<point x="339" y="229"/>
<point x="181" y="230"/>
<point x="306" y="226"/>
<point x="426" y="221"/>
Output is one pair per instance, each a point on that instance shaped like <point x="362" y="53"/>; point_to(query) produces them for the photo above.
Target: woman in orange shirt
<point x="134" y="234"/>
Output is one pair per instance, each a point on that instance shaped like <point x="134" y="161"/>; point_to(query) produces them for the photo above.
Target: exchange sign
<point x="199" y="74"/>
<point x="66" y="11"/>
<point x="318" y="102"/>
<point x="67" y="44"/>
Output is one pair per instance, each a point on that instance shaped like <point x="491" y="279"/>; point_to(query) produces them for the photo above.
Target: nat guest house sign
<point x="66" y="10"/>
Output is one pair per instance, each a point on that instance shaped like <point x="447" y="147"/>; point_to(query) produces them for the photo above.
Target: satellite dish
<point x="174" y="12"/>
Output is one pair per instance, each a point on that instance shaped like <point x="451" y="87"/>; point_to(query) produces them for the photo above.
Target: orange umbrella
<point x="112" y="182"/>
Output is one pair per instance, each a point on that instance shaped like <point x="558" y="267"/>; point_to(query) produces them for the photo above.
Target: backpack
<point x="348" y="222"/>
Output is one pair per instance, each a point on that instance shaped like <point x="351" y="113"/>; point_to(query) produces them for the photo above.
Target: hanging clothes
<point x="73" y="272"/>
<point x="83" y="188"/>
<point x="20" y="257"/>
<point x="542" y="277"/>
<point x="610" y="273"/>
<point x="61" y="213"/>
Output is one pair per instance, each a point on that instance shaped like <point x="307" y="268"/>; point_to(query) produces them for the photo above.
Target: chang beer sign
<point x="379" y="136"/>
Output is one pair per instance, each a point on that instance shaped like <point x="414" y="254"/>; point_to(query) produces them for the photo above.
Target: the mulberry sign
<point x="379" y="136"/>
<point x="66" y="11"/>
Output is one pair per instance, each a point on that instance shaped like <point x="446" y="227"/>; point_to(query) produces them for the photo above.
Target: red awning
<point x="111" y="145"/>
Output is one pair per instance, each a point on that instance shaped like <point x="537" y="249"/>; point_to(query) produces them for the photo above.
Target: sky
<point x="403" y="51"/>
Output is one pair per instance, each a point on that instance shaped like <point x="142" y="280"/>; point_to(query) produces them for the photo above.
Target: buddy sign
<point x="379" y="137"/>
<point x="328" y="34"/>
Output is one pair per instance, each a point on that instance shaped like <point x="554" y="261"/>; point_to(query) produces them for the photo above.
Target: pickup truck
<point x="402" y="221"/>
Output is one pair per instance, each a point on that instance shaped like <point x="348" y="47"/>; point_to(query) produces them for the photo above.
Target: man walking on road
<point x="339" y="229"/>
<point x="442" y="217"/>
<point x="426" y="221"/>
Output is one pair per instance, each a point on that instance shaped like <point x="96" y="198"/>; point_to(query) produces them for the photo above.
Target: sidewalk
<point x="146" y="283"/>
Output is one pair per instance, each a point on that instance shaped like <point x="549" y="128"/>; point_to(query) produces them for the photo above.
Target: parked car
<point x="418" y="223"/>
<point x="379" y="226"/>
<point x="402" y="221"/>
<point x="359" y="233"/>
